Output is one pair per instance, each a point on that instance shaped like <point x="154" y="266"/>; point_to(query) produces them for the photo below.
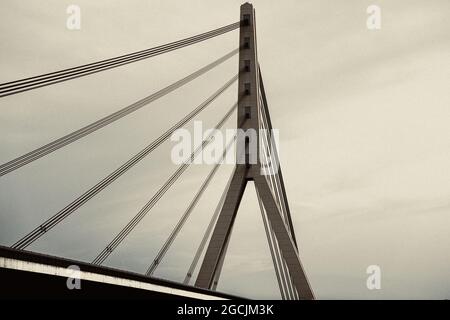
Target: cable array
<point x="162" y="252"/>
<point x="158" y="195"/>
<point x="86" y="130"/>
<point x="74" y="205"/>
<point x="22" y="85"/>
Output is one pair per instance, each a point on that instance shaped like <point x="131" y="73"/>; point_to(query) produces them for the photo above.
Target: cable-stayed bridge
<point x="256" y="160"/>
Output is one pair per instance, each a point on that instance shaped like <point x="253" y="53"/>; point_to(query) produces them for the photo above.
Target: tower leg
<point x="222" y="230"/>
<point x="285" y="241"/>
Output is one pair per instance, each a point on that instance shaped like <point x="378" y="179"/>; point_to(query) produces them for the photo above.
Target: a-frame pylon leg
<point x="221" y="235"/>
<point x="285" y="241"/>
<point x="222" y="231"/>
<point x="220" y="265"/>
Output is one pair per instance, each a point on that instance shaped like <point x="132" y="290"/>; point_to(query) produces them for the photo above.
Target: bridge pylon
<point x="252" y="108"/>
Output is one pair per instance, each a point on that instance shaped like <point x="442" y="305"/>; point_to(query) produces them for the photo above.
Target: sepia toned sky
<point x="364" y="137"/>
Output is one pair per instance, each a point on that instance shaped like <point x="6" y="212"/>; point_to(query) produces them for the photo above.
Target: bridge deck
<point x="25" y="274"/>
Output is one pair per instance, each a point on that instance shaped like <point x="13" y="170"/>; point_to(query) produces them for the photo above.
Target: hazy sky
<point x="364" y="128"/>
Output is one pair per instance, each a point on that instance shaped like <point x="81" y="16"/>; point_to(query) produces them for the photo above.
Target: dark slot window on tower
<point x="246" y="19"/>
<point x="246" y="42"/>
<point x="247" y="151"/>
<point x="248" y="112"/>
<point x="247" y="65"/>
<point x="247" y="88"/>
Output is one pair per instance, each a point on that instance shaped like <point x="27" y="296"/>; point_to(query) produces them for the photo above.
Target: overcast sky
<point x="364" y="129"/>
